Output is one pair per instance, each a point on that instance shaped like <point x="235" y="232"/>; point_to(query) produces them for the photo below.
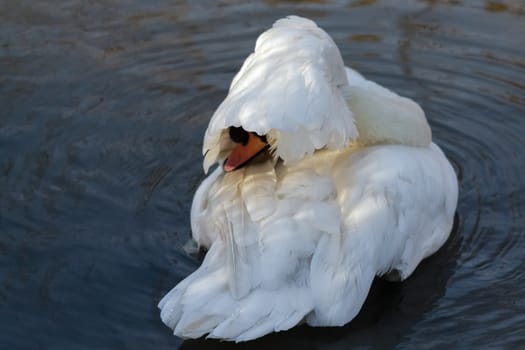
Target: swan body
<point x="352" y="187"/>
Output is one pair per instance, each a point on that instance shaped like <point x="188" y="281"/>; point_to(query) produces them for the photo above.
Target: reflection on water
<point x="104" y="106"/>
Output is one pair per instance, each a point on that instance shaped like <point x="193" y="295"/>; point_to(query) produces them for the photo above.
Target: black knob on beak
<point x="238" y="135"/>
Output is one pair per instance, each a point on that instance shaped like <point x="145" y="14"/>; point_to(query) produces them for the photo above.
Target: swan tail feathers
<point x="203" y="304"/>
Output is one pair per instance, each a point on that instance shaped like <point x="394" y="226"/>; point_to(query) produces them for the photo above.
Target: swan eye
<point x="238" y="135"/>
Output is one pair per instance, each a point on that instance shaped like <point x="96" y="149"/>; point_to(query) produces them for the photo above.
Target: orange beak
<point x="242" y="154"/>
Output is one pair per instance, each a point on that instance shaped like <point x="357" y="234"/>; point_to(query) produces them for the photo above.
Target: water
<point x="103" y="108"/>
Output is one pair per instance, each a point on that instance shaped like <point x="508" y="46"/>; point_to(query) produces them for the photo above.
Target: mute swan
<point x="325" y="180"/>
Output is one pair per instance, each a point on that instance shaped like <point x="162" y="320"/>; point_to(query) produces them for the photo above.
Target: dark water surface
<point x="103" y="105"/>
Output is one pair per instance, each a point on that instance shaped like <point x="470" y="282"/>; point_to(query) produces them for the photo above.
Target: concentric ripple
<point x="104" y="106"/>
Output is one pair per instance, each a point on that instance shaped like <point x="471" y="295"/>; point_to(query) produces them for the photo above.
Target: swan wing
<point x="397" y="206"/>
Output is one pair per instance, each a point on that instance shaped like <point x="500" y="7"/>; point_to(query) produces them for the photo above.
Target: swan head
<point x="290" y="93"/>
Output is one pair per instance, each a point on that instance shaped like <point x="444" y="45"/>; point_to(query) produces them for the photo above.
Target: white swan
<point x="325" y="180"/>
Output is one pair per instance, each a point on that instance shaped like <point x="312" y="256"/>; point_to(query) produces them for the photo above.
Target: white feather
<point x="301" y="240"/>
<point x="288" y="88"/>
